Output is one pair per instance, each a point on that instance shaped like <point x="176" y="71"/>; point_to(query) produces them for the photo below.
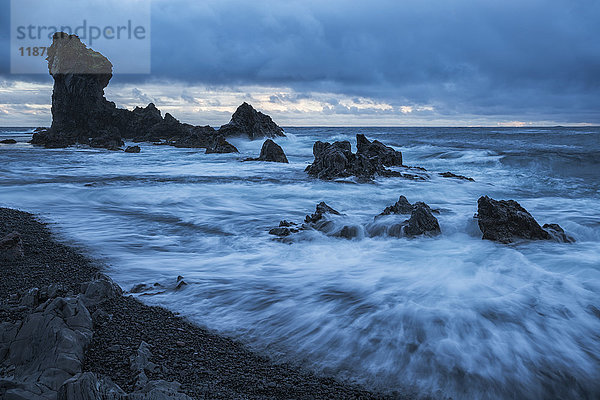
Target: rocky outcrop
<point x="42" y="354"/>
<point x="376" y="150"/>
<point x="248" y="122"/>
<point x="220" y="145"/>
<point x="422" y="222"/>
<point x="11" y="247"/>
<point x="336" y="160"/>
<point x="8" y="141"/>
<point x="133" y="149"/>
<point x="505" y="221"/>
<point x="318" y="221"/>
<point x="82" y="115"/>
<point x="270" y="151"/>
<point x="455" y="176"/>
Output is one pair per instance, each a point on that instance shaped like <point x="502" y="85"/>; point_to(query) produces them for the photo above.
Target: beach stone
<point x="132" y="149"/>
<point x="377" y="150"/>
<point x="102" y="288"/>
<point x="220" y="145"/>
<point x="246" y="121"/>
<point x="270" y="151"/>
<point x="11" y="247"/>
<point x="505" y="220"/>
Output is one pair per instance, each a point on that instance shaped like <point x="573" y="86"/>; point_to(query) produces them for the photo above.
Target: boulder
<point x="101" y="289"/>
<point x="377" y="150"/>
<point x="8" y="141"/>
<point x="246" y="121"/>
<point x="133" y="149"/>
<point x="421" y="222"/>
<point x="270" y="151"/>
<point x="11" y="247"/>
<point x="505" y="221"/>
<point x="220" y="145"/>
<point x="402" y="206"/>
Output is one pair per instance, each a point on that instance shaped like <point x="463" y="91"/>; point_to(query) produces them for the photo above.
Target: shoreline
<point x="205" y="364"/>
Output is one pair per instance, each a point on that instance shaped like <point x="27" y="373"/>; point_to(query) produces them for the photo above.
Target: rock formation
<point x="246" y="121"/>
<point x="82" y="115"/>
<point x="377" y="150"/>
<point x="42" y="355"/>
<point x="402" y="206"/>
<point x="505" y="221"/>
<point x="455" y="176"/>
<point x="336" y="160"/>
<point x="133" y="149"/>
<point x="421" y="221"/>
<point x="270" y="151"/>
<point x="8" y="141"/>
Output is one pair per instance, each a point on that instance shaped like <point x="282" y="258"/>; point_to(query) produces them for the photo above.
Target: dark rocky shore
<point x="148" y="352"/>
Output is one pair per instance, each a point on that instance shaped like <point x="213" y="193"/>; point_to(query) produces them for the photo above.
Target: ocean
<point x="448" y="316"/>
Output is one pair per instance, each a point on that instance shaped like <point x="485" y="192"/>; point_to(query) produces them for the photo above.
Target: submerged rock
<point x="11" y="247"/>
<point x="246" y="121"/>
<point x="8" y="141"/>
<point x="133" y="149"/>
<point x="558" y="233"/>
<point x="505" y="220"/>
<point x="451" y="175"/>
<point x="220" y="145"/>
<point x="270" y="151"/>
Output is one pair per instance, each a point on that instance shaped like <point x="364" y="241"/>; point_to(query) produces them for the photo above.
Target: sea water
<point x="448" y="316"/>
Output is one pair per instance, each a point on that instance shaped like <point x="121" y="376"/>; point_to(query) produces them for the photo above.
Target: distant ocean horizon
<point x="450" y="316"/>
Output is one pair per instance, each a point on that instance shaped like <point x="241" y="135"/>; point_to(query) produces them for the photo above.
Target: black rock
<point x="336" y="160"/>
<point x="505" y="220"/>
<point x="8" y="141"/>
<point x="451" y="175"/>
<point x="107" y="139"/>
<point x="246" y="121"/>
<point x="321" y="210"/>
<point x="132" y="149"/>
<point x="422" y="222"/>
<point x="402" y="206"/>
<point x="558" y="233"/>
<point x="270" y="151"/>
<point x="220" y="145"/>
<point x="377" y="150"/>
<point x="280" y="231"/>
<point x="196" y="137"/>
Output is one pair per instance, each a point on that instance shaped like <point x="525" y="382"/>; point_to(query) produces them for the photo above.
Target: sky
<point x="353" y="63"/>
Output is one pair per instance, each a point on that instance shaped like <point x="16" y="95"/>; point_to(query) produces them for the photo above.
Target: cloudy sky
<point x="344" y="62"/>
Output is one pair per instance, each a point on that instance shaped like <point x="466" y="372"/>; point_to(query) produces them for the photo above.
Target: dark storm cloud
<point x="535" y="58"/>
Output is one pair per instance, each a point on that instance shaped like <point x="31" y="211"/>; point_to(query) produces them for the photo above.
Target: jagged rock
<point x="8" y="141"/>
<point x="320" y="210"/>
<point x="505" y="220"/>
<point x="220" y="145"/>
<point x="558" y="233"/>
<point x="246" y="121"/>
<point x="402" y="206"/>
<point x="385" y="154"/>
<point x="270" y="151"/>
<point x="422" y="222"/>
<point x="133" y="149"/>
<point x="197" y="137"/>
<point x="336" y="160"/>
<point x="102" y="288"/>
<point x="46" y="349"/>
<point x="11" y="247"/>
<point x="451" y="175"/>
<point x="140" y="362"/>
